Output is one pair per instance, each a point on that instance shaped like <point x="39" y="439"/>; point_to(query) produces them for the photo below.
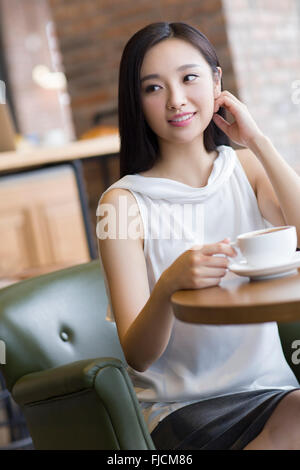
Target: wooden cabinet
<point x="41" y="224"/>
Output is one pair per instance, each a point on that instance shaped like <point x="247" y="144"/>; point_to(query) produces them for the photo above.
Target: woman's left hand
<point x="244" y="130"/>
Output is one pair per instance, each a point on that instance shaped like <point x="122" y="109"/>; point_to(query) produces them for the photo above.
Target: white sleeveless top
<point x="201" y="361"/>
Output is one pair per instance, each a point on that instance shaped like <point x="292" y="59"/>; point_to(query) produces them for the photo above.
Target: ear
<point x="217" y="82"/>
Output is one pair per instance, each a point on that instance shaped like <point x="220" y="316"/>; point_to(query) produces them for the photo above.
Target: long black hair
<point x="139" y="144"/>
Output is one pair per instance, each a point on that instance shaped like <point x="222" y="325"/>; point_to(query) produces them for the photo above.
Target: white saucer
<point x="278" y="270"/>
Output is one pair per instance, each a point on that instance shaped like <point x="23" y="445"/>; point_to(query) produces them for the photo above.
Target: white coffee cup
<point x="267" y="247"/>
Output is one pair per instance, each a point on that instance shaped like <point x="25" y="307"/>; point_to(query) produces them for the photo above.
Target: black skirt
<point x="229" y="422"/>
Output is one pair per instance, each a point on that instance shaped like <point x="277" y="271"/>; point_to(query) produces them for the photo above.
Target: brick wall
<point x="93" y="33"/>
<point x="257" y="42"/>
<point x="264" y="38"/>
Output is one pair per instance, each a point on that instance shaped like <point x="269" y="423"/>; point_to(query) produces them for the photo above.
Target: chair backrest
<point x="55" y="319"/>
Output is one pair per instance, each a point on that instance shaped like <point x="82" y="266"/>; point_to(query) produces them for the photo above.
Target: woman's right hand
<point x="198" y="267"/>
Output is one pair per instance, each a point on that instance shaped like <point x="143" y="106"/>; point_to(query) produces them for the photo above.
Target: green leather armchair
<point x="64" y="364"/>
<point x="65" y="367"/>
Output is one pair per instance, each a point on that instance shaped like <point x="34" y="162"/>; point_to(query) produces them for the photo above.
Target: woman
<point x="200" y="387"/>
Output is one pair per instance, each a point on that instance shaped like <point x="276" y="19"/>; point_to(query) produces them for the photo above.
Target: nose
<point x="176" y="99"/>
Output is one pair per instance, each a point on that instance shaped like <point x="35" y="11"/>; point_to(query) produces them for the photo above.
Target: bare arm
<point x="284" y="181"/>
<point x="277" y="184"/>
<point x="144" y="321"/>
<point x="266" y="197"/>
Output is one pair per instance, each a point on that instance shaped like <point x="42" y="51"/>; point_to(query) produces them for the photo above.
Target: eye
<point x="152" y="88"/>
<point x="190" y="77"/>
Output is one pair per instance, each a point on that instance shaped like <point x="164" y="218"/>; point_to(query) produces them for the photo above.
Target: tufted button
<point x="64" y="336"/>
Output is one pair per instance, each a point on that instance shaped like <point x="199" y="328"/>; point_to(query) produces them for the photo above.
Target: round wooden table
<point x="239" y="300"/>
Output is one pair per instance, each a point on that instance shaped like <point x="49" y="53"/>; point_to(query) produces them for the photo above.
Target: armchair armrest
<point x="70" y="378"/>
<point x="50" y="397"/>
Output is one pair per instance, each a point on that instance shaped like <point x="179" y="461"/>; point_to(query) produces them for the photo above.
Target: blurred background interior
<point x="59" y="69"/>
<point x="59" y="64"/>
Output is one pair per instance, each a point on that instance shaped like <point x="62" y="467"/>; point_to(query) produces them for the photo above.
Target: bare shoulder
<point x="115" y="197"/>
<point x="122" y="258"/>
<point x="267" y="200"/>
<point x="252" y="167"/>
<point x="245" y="154"/>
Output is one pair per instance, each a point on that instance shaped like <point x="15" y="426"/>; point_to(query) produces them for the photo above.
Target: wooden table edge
<point x="239" y="314"/>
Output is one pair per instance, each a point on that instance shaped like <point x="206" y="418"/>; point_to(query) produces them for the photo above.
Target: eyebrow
<point x="179" y="69"/>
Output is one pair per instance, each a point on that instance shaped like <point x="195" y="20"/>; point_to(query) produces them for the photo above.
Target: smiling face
<point x="178" y="91"/>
